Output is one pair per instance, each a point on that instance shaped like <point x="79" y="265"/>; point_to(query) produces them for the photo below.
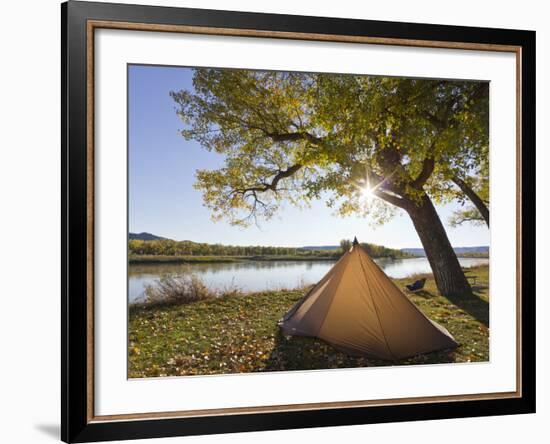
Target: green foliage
<point x="168" y="247"/>
<point x="345" y="245"/>
<point x="239" y="333"/>
<point x="179" y="259"/>
<point x="301" y="136"/>
<point x="376" y="251"/>
<point x="469" y="214"/>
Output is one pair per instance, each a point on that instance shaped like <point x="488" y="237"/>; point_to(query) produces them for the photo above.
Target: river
<point x="263" y="275"/>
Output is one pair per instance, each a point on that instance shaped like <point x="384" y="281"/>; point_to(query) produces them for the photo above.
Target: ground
<point x="236" y="334"/>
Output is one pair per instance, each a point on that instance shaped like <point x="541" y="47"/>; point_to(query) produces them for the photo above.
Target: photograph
<point x="277" y="221"/>
<point x="292" y="221"/>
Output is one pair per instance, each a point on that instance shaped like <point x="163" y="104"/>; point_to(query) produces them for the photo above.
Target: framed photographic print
<point x="276" y="221"/>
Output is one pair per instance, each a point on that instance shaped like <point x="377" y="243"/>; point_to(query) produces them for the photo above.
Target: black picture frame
<point x="76" y="423"/>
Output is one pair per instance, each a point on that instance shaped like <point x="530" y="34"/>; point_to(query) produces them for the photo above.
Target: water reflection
<point x="264" y="275"/>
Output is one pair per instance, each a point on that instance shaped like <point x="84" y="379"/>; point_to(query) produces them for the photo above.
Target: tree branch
<point x="389" y="158"/>
<point x="427" y="170"/>
<point x="272" y="186"/>
<point x="391" y="198"/>
<point x="467" y="219"/>
<point x="290" y="137"/>
<point x="472" y="195"/>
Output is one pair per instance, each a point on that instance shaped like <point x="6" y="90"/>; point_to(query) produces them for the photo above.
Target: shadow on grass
<point x="304" y="353"/>
<point x="479" y="287"/>
<point x="474" y="305"/>
<point x="422" y="293"/>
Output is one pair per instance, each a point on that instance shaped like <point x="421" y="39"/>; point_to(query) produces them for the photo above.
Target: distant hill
<point x="469" y="250"/>
<point x="144" y="236"/>
<point x="484" y="249"/>
<point x="414" y="251"/>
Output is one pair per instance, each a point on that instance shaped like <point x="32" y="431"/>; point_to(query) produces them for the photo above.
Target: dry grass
<point x="240" y="334"/>
<point x="181" y="290"/>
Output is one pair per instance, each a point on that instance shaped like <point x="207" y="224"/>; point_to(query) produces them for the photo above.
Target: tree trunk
<point x="448" y="274"/>
<point x="472" y="195"/>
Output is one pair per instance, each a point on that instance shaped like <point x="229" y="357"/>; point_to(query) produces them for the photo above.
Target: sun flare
<point x="367" y="192"/>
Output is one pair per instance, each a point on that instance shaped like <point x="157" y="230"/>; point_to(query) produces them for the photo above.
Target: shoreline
<point x="160" y="259"/>
<point x="244" y="293"/>
<point x="146" y="259"/>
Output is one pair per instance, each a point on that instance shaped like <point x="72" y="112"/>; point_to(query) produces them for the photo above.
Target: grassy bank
<point x="239" y="334"/>
<point x="474" y="255"/>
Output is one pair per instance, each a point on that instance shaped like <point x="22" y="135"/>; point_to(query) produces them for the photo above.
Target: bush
<point x="181" y="289"/>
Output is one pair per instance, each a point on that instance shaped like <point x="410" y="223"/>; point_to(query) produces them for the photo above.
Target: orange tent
<point x="359" y="310"/>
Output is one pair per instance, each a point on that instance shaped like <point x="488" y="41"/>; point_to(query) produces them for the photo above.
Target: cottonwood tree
<point x="297" y="137"/>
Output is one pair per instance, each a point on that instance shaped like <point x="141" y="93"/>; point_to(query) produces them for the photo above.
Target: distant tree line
<point x="376" y="250"/>
<point x="167" y="247"/>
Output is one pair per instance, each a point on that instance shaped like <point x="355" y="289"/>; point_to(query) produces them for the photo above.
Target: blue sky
<point x="162" y="199"/>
